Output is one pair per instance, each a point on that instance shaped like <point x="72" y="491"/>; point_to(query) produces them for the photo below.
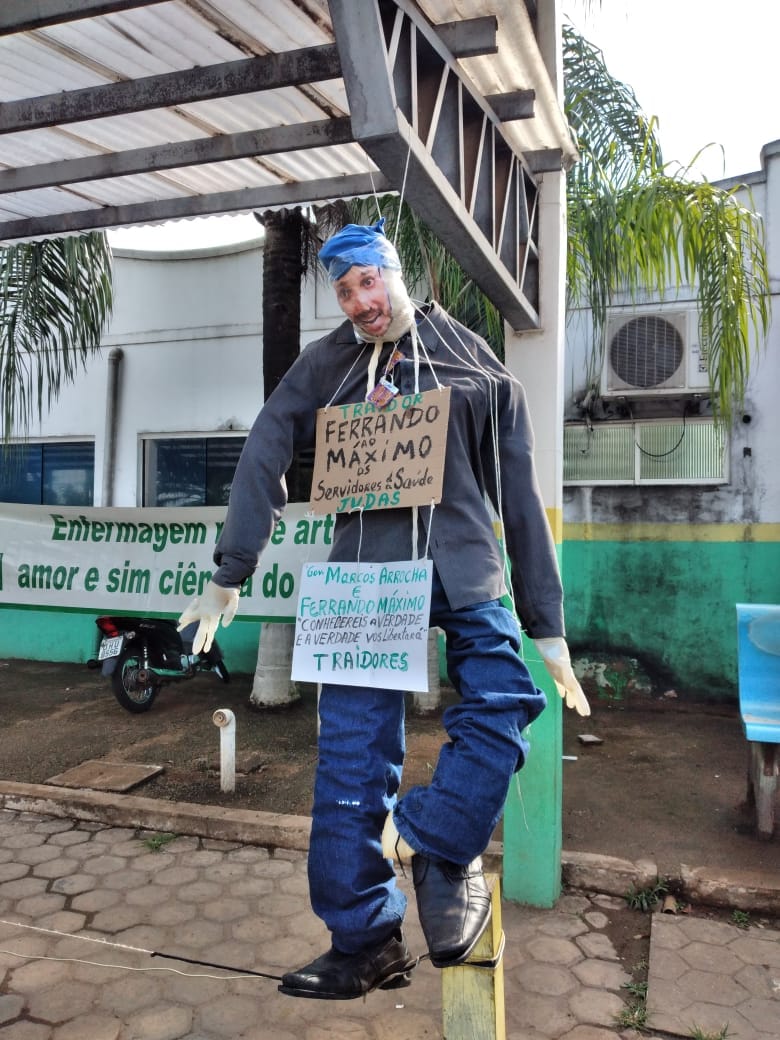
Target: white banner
<point x="145" y="560"/>
<point x="364" y="624"/>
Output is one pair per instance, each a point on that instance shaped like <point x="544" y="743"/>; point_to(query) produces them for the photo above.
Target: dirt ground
<point x="666" y="782"/>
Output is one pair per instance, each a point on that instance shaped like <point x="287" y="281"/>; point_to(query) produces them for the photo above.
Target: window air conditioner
<point x="652" y="353"/>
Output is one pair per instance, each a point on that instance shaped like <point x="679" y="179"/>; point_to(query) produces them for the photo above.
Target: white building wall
<point x="189" y="326"/>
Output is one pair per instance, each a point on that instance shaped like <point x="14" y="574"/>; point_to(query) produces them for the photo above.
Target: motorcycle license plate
<point x="110" y="647"/>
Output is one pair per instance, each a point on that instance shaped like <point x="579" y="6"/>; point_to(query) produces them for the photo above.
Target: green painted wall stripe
<point x="669" y="602"/>
<point x="657" y="532"/>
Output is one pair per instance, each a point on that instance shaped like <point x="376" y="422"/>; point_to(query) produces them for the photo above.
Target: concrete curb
<point x="743" y="890"/>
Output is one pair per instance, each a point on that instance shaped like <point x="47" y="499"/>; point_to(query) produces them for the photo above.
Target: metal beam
<point x="545" y="160"/>
<point x="516" y="104"/>
<point x="429" y="194"/>
<point x="471" y="37"/>
<point x="436" y="139"/>
<point x="271" y="141"/>
<point x="36" y="14"/>
<point x="246" y="199"/>
<point x="287" y="69"/>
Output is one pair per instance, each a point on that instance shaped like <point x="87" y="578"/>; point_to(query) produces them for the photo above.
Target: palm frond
<point x="636" y="227"/>
<point x="55" y="299"/>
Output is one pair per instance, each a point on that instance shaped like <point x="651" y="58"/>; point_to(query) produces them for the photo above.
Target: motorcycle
<point x="142" y="654"/>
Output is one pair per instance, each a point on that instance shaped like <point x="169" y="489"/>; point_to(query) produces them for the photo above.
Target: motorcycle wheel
<point x="132" y="695"/>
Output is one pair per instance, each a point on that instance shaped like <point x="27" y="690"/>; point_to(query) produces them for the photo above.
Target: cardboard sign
<point x="364" y="624"/>
<point x="380" y="458"/>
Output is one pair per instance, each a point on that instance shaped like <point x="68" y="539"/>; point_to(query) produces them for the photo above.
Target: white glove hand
<point x="207" y="609"/>
<point x="555" y="654"/>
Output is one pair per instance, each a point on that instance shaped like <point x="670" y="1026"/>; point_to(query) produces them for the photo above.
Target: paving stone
<point x="61" y="1002"/>
<point x="175" y="876"/>
<point x="74" y="884"/>
<point x="89" y="1027"/>
<point x="601" y="974"/>
<point x="148" y="894"/>
<point x="225" y="909"/>
<point x="52" y="826"/>
<point x="728" y="981"/>
<point x="596" y="1007"/>
<point x="596" y="944"/>
<point x="554" y="951"/>
<point x="588" y="1032"/>
<point x="69" y="838"/>
<point x="596" y="919"/>
<point x="31" y="1031"/>
<point x="170" y="913"/>
<point x="228" y="1016"/>
<point x="117" y="919"/>
<point x="11" y="1005"/>
<point x="563" y="925"/>
<point x="160" y="1023"/>
<point x="37" y="905"/>
<point x="23" y="839"/>
<point x="25" y="886"/>
<point x="113" y="835"/>
<point x="39" y="854"/>
<point x="198" y="934"/>
<point x="547" y="1015"/>
<point x="63" y="921"/>
<point x="546" y="979"/>
<point x="106" y="864"/>
<point x="130" y="993"/>
<point x="12" y="871"/>
<point x="755" y="950"/>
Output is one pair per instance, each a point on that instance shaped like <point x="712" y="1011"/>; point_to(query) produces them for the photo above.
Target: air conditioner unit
<point x="653" y="352"/>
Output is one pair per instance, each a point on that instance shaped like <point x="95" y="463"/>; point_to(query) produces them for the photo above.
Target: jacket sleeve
<point x="258" y="494"/>
<point x="514" y="489"/>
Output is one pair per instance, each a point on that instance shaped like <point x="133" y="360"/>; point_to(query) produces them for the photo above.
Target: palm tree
<point x="292" y="240"/>
<point x="55" y="300"/>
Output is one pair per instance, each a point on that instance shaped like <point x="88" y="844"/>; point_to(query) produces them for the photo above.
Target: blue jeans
<point x="361" y="752"/>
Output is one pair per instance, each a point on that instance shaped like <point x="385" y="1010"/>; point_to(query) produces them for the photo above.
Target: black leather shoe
<point x="343" y="976"/>
<point x="453" y="903"/>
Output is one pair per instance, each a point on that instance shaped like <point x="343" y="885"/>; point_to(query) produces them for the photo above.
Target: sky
<point x="708" y="71"/>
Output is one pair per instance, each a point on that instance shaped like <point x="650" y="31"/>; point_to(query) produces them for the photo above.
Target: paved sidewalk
<point x="238" y="904"/>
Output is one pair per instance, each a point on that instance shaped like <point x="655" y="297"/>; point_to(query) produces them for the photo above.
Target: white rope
<point x="108" y="943"/>
<point x="346" y="377"/>
<point x="125" y="967"/>
<point x="493" y="385"/>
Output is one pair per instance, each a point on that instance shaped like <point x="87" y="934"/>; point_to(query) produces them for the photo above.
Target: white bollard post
<point x="226" y="720"/>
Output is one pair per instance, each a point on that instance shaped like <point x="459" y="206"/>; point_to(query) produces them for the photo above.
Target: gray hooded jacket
<point x="489" y="456"/>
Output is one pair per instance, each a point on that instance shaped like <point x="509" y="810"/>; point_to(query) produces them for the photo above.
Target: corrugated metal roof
<point x="184" y="34"/>
<point x="123" y="112"/>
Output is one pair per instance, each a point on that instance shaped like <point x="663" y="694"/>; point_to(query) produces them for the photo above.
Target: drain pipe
<point x="226" y="720"/>
<point x="110" y="436"/>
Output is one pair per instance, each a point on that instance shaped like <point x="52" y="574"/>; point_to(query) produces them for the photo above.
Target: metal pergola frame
<point x="412" y="109"/>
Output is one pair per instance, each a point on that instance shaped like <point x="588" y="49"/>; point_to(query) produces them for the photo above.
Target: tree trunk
<point x="272" y="686"/>
<point x="282" y="276"/>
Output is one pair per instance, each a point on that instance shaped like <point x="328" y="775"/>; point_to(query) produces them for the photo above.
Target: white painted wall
<point x="189" y="326"/>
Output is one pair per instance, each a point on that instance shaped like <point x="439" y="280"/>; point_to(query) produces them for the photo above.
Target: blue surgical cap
<point x="358" y="245"/>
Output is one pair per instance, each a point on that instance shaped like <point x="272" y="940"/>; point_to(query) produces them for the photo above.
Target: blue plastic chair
<point x="758" y="646"/>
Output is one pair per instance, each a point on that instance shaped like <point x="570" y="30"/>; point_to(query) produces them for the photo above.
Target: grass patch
<point x="155" y="842"/>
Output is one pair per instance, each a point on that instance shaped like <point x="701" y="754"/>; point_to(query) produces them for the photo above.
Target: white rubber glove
<point x="555" y="654"/>
<point x="207" y="609"/>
